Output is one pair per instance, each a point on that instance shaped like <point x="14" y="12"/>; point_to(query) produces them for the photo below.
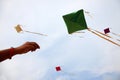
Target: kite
<point x="107" y="30"/>
<point x="19" y="29"/>
<point x="58" y="68"/>
<point x="76" y="22"/>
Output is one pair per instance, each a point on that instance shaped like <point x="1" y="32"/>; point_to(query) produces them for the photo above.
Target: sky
<point x="82" y="56"/>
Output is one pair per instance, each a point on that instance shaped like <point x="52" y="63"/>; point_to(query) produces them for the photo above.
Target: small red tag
<point x="58" y="68"/>
<point x="106" y="30"/>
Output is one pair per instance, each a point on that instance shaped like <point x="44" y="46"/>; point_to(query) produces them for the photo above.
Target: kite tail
<point x="88" y="13"/>
<point x="103" y="37"/>
<point x="115" y="34"/>
<point x="36" y="33"/>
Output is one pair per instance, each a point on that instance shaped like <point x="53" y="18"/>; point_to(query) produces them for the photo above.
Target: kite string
<point x="35" y="33"/>
<point x="103" y="37"/>
<point x="105" y="34"/>
<point x="115" y="34"/>
<point x="102" y="33"/>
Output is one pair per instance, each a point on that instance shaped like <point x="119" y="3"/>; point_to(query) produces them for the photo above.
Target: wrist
<point x="11" y="52"/>
<point x="16" y="51"/>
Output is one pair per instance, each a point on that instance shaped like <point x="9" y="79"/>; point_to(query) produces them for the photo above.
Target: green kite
<point x="75" y="21"/>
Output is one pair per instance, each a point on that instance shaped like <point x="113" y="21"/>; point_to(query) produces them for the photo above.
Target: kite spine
<point x="35" y="33"/>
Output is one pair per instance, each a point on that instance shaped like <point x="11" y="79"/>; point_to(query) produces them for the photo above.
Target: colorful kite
<point x="19" y="29"/>
<point x="76" y="21"/>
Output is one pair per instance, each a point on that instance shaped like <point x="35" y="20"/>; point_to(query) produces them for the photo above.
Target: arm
<point x="5" y="54"/>
<point x="26" y="47"/>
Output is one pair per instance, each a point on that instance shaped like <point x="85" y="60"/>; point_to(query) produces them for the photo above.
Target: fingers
<point x="35" y="45"/>
<point x="26" y="47"/>
<point x="32" y="46"/>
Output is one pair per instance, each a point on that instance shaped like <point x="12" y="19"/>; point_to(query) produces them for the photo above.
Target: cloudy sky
<point x="82" y="56"/>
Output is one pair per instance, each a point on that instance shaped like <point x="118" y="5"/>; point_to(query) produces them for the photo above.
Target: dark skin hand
<point x="25" y="48"/>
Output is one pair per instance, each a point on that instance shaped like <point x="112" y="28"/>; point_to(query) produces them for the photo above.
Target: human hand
<point x="26" y="47"/>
